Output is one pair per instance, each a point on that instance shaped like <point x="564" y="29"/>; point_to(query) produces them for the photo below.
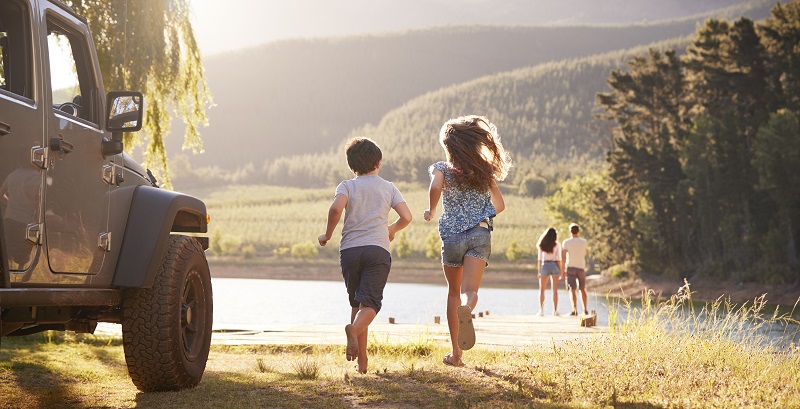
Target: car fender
<point x="154" y="214"/>
<point x="5" y="278"/>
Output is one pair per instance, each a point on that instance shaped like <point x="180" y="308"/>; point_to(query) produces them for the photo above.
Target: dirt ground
<point x="515" y="276"/>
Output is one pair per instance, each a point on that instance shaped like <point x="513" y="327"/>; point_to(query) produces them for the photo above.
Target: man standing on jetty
<point x="574" y="252"/>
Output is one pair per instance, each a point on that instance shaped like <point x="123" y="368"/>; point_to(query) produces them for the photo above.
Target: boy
<point x="364" y="250"/>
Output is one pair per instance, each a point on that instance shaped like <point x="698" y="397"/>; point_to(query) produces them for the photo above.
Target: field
<point x="269" y="218"/>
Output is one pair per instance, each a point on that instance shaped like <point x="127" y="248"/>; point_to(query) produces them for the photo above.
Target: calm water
<point x="264" y="302"/>
<point x="258" y="303"/>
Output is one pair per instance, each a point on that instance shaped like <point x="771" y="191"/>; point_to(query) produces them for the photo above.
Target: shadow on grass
<point x="237" y="390"/>
<point x="24" y="384"/>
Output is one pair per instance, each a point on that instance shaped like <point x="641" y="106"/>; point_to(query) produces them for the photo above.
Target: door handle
<point x="5" y="128"/>
<point x="59" y="145"/>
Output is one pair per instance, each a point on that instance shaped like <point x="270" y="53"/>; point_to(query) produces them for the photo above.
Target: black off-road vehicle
<point x="86" y="236"/>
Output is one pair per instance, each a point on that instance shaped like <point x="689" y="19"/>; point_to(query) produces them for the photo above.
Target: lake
<point x="264" y="302"/>
<point x="257" y="303"/>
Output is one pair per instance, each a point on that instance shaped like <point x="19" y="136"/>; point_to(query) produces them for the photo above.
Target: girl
<point x="550" y="265"/>
<point x="467" y="184"/>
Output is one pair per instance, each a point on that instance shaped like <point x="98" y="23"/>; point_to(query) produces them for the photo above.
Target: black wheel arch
<point x="154" y="213"/>
<point x="5" y="275"/>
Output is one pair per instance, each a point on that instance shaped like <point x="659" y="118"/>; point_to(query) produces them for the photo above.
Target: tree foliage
<point x="705" y="152"/>
<point x="149" y="46"/>
<point x="646" y="104"/>
<point x="402" y="246"/>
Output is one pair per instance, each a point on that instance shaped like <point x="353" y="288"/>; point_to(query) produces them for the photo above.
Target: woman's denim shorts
<point x="475" y="242"/>
<point x="549" y="268"/>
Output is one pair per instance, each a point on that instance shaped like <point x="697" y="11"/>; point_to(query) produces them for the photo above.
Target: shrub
<point x="248" y="251"/>
<point x="402" y="247"/>
<point x="515" y="252"/>
<point x="621" y="271"/>
<point x="433" y="246"/>
<point x="533" y="186"/>
<point x="229" y="245"/>
<point x="304" y="250"/>
<point x="215" y="242"/>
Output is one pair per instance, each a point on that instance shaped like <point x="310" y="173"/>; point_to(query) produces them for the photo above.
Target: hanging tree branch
<point x="149" y="45"/>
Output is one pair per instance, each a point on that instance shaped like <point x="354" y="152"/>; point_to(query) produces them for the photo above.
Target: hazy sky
<point x="232" y="24"/>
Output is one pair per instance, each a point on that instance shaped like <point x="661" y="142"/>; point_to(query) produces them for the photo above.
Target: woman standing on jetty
<point x="467" y="184"/>
<point x="550" y="266"/>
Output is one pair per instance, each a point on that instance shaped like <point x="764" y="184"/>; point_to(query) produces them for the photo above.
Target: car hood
<point x="131" y="164"/>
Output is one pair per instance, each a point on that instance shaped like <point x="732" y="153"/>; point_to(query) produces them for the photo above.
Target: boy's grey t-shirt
<point x="366" y="216"/>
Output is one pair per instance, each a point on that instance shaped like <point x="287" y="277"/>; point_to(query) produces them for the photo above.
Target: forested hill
<point x="307" y="95"/>
<point x="545" y="115"/>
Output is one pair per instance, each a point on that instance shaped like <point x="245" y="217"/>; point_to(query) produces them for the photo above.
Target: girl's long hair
<point x="547" y="241"/>
<point x="473" y="148"/>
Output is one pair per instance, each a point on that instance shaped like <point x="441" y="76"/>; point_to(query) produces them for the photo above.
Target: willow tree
<point x="149" y="46"/>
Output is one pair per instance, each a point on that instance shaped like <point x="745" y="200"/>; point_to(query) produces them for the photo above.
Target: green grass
<point x="271" y="217"/>
<point x="665" y="354"/>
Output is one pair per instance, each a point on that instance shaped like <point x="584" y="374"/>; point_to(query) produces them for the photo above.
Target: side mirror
<point x="124" y="110"/>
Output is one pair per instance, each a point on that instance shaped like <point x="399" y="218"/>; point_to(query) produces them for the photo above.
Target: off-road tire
<point x="166" y="329"/>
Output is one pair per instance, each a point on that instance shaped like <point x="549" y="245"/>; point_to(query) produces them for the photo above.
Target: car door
<point x="76" y="187"/>
<point x="22" y="153"/>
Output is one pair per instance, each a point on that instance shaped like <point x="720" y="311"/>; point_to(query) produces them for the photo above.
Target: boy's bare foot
<point x="352" y="342"/>
<point x="362" y="366"/>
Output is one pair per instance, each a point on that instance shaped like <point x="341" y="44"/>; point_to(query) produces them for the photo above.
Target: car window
<point x="15" y="51"/>
<point x="69" y="77"/>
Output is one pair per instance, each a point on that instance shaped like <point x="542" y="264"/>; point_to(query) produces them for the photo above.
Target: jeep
<point x="86" y="235"/>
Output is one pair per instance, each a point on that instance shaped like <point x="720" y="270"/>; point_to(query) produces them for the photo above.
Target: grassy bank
<point x="723" y="362"/>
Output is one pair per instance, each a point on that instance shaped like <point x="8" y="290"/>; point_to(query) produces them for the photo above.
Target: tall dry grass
<point x="671" y="353"/>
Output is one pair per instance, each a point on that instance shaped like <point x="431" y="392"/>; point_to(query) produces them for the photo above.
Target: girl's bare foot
<point x="451" y="360"/>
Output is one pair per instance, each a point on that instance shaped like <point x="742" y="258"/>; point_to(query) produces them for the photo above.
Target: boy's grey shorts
<point x="365" y="270"/>
<point x="475" y="242"/>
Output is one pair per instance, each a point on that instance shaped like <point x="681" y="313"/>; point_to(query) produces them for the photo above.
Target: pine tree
<point x="780" y="35"/>
<point x="647" y="105"/>
<point x="727" y="83"/>
<point x="777" y="158"/>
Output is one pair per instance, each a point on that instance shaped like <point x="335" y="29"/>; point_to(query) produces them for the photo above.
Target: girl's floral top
<point x="464" y="208"/>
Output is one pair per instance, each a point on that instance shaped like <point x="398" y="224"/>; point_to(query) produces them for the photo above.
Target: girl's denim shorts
<point x="475" y="242"/>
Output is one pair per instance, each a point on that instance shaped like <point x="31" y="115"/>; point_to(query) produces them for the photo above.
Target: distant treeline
<point x="704" y="173"/>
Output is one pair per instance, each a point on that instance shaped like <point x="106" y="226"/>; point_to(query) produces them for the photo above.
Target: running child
<point x="364" y="250"/>
<point x="467" y="184"/>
